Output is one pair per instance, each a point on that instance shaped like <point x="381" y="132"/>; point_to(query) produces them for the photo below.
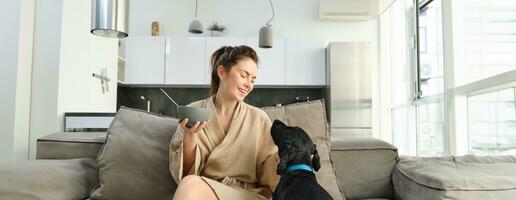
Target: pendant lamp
<point x="195" y="26"/>
<point x="265" y="35"/>
<point x="109" y="18"/>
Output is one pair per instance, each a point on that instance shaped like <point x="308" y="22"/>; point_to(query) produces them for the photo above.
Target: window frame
<point x="454" y="98"/>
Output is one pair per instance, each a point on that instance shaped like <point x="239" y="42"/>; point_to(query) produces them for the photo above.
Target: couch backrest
<point x="364" y="167"/>
<point x="311" y="117"/>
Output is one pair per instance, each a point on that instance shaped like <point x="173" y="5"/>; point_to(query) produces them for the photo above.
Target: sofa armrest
<point x="48" y="179"/>
<point x="364" y="167"/>
<point x="69" y="145"/>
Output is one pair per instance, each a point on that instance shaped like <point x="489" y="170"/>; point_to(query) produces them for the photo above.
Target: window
<point x="484" y="38"/>
<point x="492" y="123"/>
<point x="472" y="102"/>
<point x="430" y="129"/>
<point x="417" y="128"/>
<point x="399" y="54"/>
<point x="430" y="69"/>
<point x="401" y="130"/>
<point x="395" y="29"/>
<point x="430" y="45"/>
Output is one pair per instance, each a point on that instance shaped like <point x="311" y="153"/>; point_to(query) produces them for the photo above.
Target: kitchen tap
<point x="148" y="102"/>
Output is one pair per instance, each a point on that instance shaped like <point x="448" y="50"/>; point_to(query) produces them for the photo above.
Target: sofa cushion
<point x="311" y="117"/>
<point x="485" y="159"/>
<point x="443" y="179"/>
<point x="48" y="179"/>
<point x="133" y="163"/>
<point x="67" y="145"/>
<point x="364" y="163"/>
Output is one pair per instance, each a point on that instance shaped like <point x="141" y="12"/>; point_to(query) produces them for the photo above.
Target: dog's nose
<point x="276" y="129"/>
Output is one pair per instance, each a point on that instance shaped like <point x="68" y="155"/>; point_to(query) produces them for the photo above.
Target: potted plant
<point x="216" y="29"/>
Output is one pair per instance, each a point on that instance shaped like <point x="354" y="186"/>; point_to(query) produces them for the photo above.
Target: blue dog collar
<point x="300" y="167"/>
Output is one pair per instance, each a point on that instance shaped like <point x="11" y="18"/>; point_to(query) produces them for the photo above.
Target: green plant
<point x="216" y="27"/>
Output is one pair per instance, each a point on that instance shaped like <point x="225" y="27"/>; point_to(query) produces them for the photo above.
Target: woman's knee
<point x="192" y="186"/>
<point x="191" y="180"/>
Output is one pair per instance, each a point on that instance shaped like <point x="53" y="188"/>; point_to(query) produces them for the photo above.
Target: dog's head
<point x="294" y="147"/>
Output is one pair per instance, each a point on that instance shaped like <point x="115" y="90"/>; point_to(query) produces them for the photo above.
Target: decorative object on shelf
<point x="109" y="18"/>
<point x="155" y="28"/>
<point x="265" y="39"/>
<point x="216" y="29"/>
<point x="195" y="26"/>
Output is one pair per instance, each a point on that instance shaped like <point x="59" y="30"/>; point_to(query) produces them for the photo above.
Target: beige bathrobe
<point x="238" y="165"/>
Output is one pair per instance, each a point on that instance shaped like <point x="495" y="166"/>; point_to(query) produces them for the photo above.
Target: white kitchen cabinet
<point x="271" y="66"/>
<point x="214" y="43"/>
<point x="185" y="61"/>
<point x="305" y="61"/>
<point x="145" y="60"/>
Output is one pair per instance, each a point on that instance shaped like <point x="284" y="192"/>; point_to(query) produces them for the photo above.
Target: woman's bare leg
<point x="193" y="187"/>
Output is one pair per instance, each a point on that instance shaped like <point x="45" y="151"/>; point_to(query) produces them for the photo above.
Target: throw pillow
<point x="311" y="117"/>
<point x="133" y="163"/>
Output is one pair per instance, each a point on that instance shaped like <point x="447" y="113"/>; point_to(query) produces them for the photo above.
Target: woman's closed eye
<point x="246" y="77"/>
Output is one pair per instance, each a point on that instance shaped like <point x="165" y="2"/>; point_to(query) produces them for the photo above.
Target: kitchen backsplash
<point x="259" y="97"/>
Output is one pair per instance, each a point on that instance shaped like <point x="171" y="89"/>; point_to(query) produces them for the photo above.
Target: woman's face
<point x="239" y="81"/>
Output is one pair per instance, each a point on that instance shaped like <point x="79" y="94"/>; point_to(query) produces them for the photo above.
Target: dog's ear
<point x="285" y="158"/>
<point x="282" y="167"/>
<point x="316" y="163"/>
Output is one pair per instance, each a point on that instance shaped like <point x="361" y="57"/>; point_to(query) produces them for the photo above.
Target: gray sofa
<point x="363" y="184"/>
<point x="131" y="162"/>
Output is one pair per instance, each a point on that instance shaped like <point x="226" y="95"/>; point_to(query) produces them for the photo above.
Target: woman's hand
<point x="196" y="128"/>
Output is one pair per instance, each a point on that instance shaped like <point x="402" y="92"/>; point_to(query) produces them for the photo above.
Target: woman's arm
<point x="189" y="142"/>
<point x="268" y="158"/>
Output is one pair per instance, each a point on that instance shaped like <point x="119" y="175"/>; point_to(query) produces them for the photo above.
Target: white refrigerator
<point x="348" y="87"/>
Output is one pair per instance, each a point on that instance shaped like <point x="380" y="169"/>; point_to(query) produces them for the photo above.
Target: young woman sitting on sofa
<point x="232" y="156"/>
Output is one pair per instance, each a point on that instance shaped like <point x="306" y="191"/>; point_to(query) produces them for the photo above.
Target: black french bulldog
<point x="296" y="167"/>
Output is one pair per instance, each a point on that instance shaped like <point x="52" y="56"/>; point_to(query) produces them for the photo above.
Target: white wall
<point x="9" y="34"/>
<point x="82" y="54"/>
<point x="47" y="40"/>
<point x="65" y="56"/>
<point x="24" y="80"/>
<point x="244" y="18"/>
<point x="15" y="70"/>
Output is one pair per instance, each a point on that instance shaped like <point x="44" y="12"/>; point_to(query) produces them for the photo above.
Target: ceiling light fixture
<point x="195" y="26"/>
<point x="109" y="18"/>
<point x="265" y="37"/>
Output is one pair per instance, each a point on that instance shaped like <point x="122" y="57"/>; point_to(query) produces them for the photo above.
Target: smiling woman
<point x="231" y="156"/>
<point x="243" y="58"/>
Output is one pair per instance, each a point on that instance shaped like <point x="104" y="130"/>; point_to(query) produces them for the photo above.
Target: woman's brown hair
<point x="228" y="56"/>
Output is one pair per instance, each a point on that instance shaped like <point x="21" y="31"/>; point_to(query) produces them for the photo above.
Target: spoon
<point x="169" y="97"/>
